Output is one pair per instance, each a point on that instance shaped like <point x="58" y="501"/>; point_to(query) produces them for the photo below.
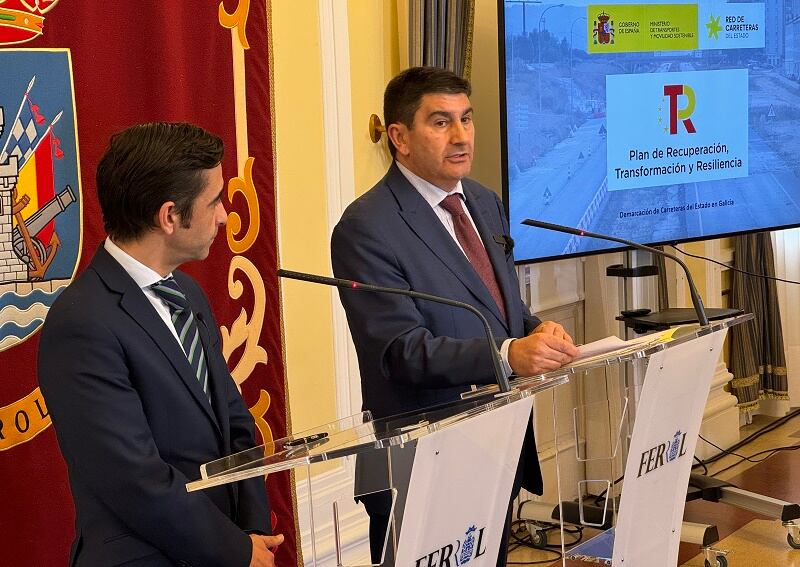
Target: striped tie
<point x="473" y="248"/>
<point x="185" y="325"/>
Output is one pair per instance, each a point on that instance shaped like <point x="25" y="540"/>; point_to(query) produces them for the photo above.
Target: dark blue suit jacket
<point x="414" y="354"/>
<point x="134" y="425"/>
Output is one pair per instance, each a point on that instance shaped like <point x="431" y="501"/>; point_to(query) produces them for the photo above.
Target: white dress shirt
<point x="434" y="196"/>
<point x="144" y="278"/>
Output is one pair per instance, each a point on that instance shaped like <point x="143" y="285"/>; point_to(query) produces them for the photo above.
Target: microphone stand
<point x="697" y="303"/>
<point x="497" y="362"/>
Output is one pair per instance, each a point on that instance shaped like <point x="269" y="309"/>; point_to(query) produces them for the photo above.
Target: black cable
<point x="520" y="542"/>
<point x="602" y="496"/>
<point x="527" y="541"/>
<point x="774" y="450"/>
<point x="700" y="462"/>
<point x="545" y="527"/>
<point x="730" y="451"/>
<point x="763" y="430"/>
<point x="727" y="451"/>
<point x="755" y="435"/>
<point x="724" y="265"/>
<point x="770" y="451"/>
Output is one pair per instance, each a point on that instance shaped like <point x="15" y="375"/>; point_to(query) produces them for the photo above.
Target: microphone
<point x="497" y="362"/>
<point x="697" y="303"/>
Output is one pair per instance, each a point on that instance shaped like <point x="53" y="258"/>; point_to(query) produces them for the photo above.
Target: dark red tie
<point x="473" y="247"/>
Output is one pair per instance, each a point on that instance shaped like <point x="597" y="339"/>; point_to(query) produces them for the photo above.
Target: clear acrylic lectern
<point x="447" y="473"/>
<point x="636" y="447"/>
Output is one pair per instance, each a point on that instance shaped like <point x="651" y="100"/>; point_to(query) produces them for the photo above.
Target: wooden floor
<point x="753" y="540"/>
<point x="778" y="477"/>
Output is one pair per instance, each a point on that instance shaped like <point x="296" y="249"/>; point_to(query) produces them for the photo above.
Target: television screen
<point x="651" y="122"/>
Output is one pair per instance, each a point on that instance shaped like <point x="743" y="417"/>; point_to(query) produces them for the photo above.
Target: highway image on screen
<point x="651" y="122"/>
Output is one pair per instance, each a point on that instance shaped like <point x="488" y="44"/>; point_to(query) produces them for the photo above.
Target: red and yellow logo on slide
<point x="22" y="20"/>
<point x="683" y="114"/>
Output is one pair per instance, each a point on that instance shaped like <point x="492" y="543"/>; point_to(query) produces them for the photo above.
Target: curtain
<point x="758" y="362"/>
<point x="787" y="251"/>
<point x="440" y="34"/>
<point x="136" y="62"/>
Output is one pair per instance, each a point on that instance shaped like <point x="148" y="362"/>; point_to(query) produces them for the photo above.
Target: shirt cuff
<point x="504" y="356"/>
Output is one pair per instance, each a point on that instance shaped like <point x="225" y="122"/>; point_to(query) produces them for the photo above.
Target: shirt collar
<point x="141" y="274"/>
<point x="430" y="192"/>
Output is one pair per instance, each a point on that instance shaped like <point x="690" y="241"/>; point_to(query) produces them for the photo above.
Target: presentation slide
<point x="658" y="123"/>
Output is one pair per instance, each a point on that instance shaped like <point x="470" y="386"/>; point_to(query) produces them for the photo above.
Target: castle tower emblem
<point x="12" y="267"/>
<point x="40" y="217"/>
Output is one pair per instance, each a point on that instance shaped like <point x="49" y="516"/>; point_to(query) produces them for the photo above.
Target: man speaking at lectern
<point x="132" y="371"/>
<point x="428" y="228"/>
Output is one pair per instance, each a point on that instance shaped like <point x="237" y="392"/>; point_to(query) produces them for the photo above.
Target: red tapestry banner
<point x="72" y="74"/>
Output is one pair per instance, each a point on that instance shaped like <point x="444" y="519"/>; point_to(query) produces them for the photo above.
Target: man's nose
<point x="458" y="133"/>
<point x="222" y="214"/>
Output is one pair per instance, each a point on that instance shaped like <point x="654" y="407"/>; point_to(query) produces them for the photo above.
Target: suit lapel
<point x="139" y="308"/>
<point x="421" y="219"/>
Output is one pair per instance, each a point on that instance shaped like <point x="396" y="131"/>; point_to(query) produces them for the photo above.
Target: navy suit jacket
<point x="134" y="425"/>
<point x="411" y="353"/>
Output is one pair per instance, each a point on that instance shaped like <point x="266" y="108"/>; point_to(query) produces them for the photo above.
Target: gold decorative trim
<point x="744" y="382"/>
<point x="772" y="395"/>
<point x="468" y="41"/>
<point x="245" y="331"/>
<point x="747" y="407"/>
<point x="237" y="20"/>
<point x="773" y="370"/>
<point x="247" y="188"/>
<point x="259" y="410"/>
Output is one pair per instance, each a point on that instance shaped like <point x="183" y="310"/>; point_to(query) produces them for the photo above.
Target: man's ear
<point x="166" y="218"/>
<point x="398" y="134"/>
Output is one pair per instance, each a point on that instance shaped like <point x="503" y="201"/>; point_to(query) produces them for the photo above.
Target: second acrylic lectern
<point x="648" y="438"/>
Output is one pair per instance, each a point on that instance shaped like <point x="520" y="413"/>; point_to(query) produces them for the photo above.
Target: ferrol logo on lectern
<point x="457" y="553"/>
<point x="662" y="453"/>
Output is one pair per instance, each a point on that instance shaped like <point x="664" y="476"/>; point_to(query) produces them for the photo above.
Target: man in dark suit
<point x="425" y="227"/>
<point x="132" y="371"/>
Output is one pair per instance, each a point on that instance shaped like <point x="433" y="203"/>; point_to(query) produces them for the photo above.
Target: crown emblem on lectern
<point x="22" y="20"/>
<point x="467" y="546"/>
<point x="677" y="442"/>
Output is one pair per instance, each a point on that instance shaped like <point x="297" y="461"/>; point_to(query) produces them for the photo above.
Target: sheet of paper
<point x="599" y="347"/>
<point x="615" y="344"/>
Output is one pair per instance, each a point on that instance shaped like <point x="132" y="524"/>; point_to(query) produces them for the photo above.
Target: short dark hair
<point x="403" y="94"/>
<point x="147" y="165"/>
